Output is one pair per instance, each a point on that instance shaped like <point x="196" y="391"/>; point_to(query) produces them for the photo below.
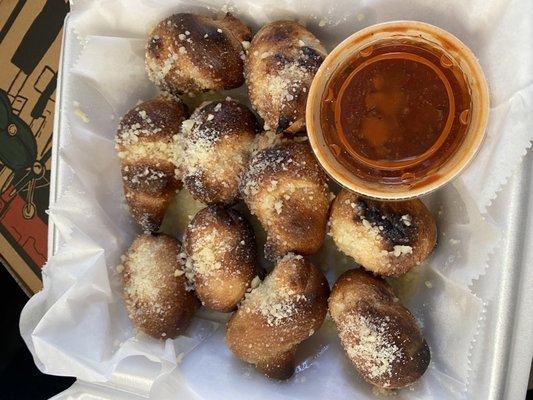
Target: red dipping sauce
<point x="395" y="111"/>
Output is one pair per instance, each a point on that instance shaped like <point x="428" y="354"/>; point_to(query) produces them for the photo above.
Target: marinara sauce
<point x="395" y="112"/>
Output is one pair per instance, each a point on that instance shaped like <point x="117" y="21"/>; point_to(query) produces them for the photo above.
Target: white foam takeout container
<point x="501" y="353"/>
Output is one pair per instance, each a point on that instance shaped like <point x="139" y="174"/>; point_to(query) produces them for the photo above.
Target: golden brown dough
<point x="221" y="254"/>
<point x="284" y="310"/>
<point x="281" y="63"/>
<point x="155" y="288"/>
<point x="286" y="189"/>
<point x="387" y="238"/>
<point x="380" y="336"/>
<point x="144" y="145"/>
<point x="188" y="53"/>
<point x="213" y="149"/>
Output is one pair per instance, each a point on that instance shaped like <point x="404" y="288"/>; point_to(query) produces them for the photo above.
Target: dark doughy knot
<point x="380" y="336"/>
<point x="221" y="253"/>
<point x="144" y="143"/>
<point x="155" y="288"/>
<point x="286" y="189"/>
<point x="287" y="308"/>
<point x="387" y="238"/>
<point x="213" y="150"/>
<point x="188" y="53"/>
<point x="281" y="63"/>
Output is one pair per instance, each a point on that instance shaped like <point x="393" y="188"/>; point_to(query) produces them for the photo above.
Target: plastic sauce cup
<point x="415" y="33"/>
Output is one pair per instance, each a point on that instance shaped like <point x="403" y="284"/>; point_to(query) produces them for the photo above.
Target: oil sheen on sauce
<point x="395" y="112"/>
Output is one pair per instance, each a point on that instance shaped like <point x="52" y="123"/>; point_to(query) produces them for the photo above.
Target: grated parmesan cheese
<point x="275" y="304"/>
<point x="373" y="349"/>
<point x="401" y="250"/>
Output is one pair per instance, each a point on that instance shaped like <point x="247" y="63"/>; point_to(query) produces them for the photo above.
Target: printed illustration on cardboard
<point x="30" y="40"/>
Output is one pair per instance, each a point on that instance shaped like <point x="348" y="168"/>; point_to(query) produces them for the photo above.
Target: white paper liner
<point x="324" y="372"/>
<point x="78" y="325"/>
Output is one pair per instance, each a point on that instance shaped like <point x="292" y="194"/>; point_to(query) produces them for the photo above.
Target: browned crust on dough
<point x="229" y="128"/>
<point x="253" y="336"/>
<point x="359" y="294"/>
<point x="398" y="223"/>
<point x="160" y="305"/>
<point x="286" y="189"/>
<point x="144" y="142"/>
<point x="286" y="52"/>
<point x="230" y="118"/>
<point x="234" y="247"/>
<point x="189" y="53"/>
<point x="166" y="113"/>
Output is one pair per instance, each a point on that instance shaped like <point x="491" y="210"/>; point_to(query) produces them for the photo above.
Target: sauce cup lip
<point x="324" y="73"/>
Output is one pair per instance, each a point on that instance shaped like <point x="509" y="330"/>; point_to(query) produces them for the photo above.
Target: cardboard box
<point x="30" y="41"/>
